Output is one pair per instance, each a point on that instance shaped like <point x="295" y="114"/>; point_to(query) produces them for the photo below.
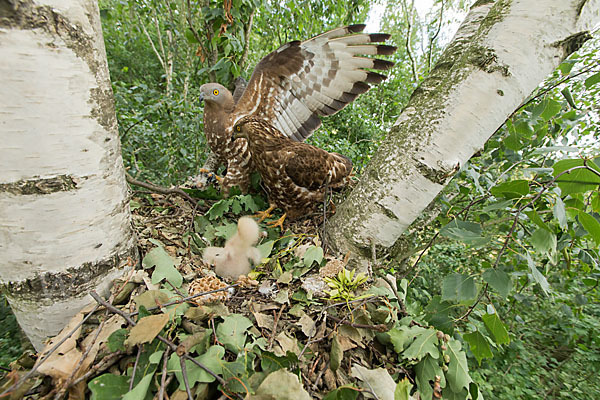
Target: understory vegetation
<point x="495" y="288"/>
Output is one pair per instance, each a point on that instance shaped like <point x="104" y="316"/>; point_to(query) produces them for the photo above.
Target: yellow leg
<point x="262" y="215"/>
<point x="212" y="175"/>
<point x="278" y="223"/>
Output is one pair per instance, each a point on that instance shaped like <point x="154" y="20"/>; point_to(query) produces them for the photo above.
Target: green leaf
<point x="226" y="231"/>
<point x="249" y="203"/>
<point x="496" y="328"/>
<point x="212" y="359"/>
<point x="458" y="371"/>
<point x="566" y="66"/>
<point x="512" y="189"/>
<point x="189" y="35"/>
<point x="403" y="389"/>
<point x="164" y="266"/>
<point x="400" y="337"/>
<point x="592" y="80"/>
<point x="265" y="248"/>
<point x="232" y="332"/>
<point x="109" y="387"/>
<point x="591" y="225"/>
<point x="425" y="342"/>
<point x="535" y="218"/>
<point x="468" y="232"/>
<point x="219" y="208"/>
<point x="336" y="353"/>
<point x="569" y="97"/>
<point x="313" y="253"/>
<point x="498" y="280"/>
<point x="345" y="392"/>
<point x="537" y="275"/>
<point x="150" y="298"/>
<point x="576" y="181"/>
<point x="559" y="213"/>
<point x="458" y="288"/>
<point x="479" y="345"/>
<point x="269" y="362"/>
<point x="546" y="109"/>
<point x="116" y="341"/>
<point x="543" y="241"/>
<point x="140" y="390"/>
<point x="427" y="369"/>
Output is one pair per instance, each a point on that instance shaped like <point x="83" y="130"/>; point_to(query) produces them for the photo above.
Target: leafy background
<point x="505" y="262"/>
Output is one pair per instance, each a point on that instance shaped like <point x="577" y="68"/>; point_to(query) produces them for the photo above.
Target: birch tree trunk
<point x="501" y="52"/>
<point x="64" y="214"/>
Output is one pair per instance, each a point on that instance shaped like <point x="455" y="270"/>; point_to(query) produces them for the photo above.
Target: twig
<point x="160" y="189"/>
<point x="432" y="39"/>
<point x="409" y="18"/>
<point x="67" y="384"/>
<point x="169" y="343"/>
<point x="49" y="353"/>
<point x="277" y="316"/>
<point x="186" y="299"/>
<point x="101" y="366"/>
<point x="185" y="378"/>
<point x="135" y="364"/>
<point x="378" y="327"/>
<point x="163" y="378"/>
<point x="324" y="315"/>
<point x="247" y="30"/>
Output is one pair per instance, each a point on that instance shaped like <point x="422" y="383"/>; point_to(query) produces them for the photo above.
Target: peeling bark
<point x="65" y="226"/>
<point x="499" y="55"/>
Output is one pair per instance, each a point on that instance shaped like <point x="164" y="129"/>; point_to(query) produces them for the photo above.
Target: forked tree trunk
<point x="501" y="52"/>
<point x="65" y="225"/>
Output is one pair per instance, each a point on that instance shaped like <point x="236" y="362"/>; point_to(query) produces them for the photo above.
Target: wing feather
<point x="300" y="81"/>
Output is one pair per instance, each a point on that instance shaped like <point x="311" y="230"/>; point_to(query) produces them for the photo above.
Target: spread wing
<point x="300" y="81"/>
<point x="313" y="168"/>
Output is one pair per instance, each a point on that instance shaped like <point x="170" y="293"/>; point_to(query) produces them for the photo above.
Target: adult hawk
<point x="291" y="88"/>
<point x="296" y="175"/>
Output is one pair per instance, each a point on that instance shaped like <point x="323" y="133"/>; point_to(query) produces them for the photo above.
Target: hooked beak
<point x="201" y="98"/>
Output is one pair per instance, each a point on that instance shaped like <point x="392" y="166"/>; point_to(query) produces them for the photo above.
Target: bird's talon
<point x="262" y="215"/>
<point x="278" y="223"/>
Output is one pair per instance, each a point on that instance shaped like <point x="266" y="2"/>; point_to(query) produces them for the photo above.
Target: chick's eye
<point x="216" y="92"/>
<point x="238" y="128"/>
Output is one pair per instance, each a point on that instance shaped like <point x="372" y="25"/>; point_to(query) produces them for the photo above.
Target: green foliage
<point x="164" y="266"/>
<point x="514" y="261"/>
<point x="344" y="285"/>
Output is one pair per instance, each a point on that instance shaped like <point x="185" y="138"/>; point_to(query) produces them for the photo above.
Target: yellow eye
<point x="238" y="128"/>
<point x="216" y="92"/>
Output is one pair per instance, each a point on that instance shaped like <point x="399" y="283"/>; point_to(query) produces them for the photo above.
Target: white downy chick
<point x="233" y="260"/>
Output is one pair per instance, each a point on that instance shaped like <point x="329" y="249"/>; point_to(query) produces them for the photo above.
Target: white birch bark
<point x="501" y="52"/>
<point x="64" y="213"/>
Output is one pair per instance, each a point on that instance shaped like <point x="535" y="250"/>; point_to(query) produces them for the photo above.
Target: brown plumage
<point x="295" y="174"/>
<point x="291" y="88"/>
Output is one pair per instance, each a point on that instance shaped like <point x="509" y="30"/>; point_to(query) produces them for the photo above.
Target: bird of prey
<point x="291" y="88"/>
<point x="296" y="175"/>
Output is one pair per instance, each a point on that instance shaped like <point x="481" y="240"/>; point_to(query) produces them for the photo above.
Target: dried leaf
<point x="307" y="324"/>
<point x="378" y="380"/>
<point x="151" y="298"/>
<point x="287" y="343"/>
<point x="282" y="385"/>
<point x="147" y="329"/>
<point x="264" y="321"/>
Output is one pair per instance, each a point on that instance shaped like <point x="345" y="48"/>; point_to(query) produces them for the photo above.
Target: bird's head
<point x="213" y="93"/>
<point x="242" y="128"/>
